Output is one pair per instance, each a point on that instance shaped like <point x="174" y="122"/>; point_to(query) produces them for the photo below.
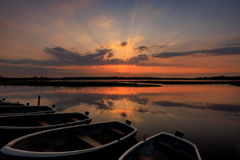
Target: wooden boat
<point x="14" y="126"/>
<point x="76" y="141"/>
<point x="163" y="146"/>
<point x="9" y="110"/>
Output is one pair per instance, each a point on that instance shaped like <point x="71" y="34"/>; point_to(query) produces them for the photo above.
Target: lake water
<point x="208" y="115"/>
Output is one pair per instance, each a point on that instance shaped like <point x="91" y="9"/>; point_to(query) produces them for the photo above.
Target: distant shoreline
<point x="117" y="81"/>
<point x="124" y="78"/>
<point x="111" y="82"/>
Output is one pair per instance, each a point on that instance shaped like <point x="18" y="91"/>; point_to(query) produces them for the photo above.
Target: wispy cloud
<point x="103" y="22"/>
<point x="10" y="24"/>
<point x="200" y="53"/>
<point x="143" y="48"/>
<point x="232" y="44"/>
<point x="145" y="110"/>
<point x="210" y="106"/>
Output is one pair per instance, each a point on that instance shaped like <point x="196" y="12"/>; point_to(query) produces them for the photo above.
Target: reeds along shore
<point x="74" y="84"/>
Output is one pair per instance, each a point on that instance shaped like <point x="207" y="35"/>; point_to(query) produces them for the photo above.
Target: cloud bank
<point x="63" y="58"/>
<point x="200" y="53"/>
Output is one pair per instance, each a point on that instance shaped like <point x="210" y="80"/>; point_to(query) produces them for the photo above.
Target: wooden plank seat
<point x="116" y="131"/>
<point x="142" y="157"/>
<point x="42" y="123"/>
<point x="74" y="119"/>
<point x="7" y="112"/>
<point x="89" y="140"/>
<point x="176" y="149"/>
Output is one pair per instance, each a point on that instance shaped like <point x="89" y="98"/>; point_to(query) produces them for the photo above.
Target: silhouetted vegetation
<point x="126" y="78"/>
<point x="117" y="81"/>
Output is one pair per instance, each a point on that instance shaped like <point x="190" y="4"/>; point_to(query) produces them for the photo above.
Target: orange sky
<point x="127" y="38"/>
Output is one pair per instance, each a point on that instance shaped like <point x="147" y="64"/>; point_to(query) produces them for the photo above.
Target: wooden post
<point x="38" y="100"/>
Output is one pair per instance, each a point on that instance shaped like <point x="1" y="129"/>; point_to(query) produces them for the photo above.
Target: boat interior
<point x="165" y="147"/>
<point x="41" y="119"/>
<point x="75" y="138"/>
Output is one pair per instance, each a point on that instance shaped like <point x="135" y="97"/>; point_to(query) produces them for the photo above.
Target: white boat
<point x="10" y="110"/>
<point x="72" y="141"/>
<point x="163" y="146"/>
<point x="14" y="126"/>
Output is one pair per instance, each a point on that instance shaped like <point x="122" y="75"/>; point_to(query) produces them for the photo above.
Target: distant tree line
<point x="124" y="78"/>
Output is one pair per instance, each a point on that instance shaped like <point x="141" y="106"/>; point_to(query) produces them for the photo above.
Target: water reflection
<point x="204" y="113"/>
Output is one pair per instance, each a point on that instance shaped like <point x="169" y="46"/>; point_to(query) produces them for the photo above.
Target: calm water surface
<point x="208" y="115"/>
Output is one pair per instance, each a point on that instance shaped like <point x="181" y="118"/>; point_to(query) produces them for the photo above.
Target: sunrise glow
<point x="125" y="38"/>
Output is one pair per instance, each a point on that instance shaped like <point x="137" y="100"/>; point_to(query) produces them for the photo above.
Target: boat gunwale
<point x="8" y="150"/>
<point x="124" y="155"/>
<point x="43" y="127"/>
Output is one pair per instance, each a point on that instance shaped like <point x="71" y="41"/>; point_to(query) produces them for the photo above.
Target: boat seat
<point x="42" y="123"/>
<point x="165" y="144"/>
<point x="142" y="157"/>
<point x="176" y="149"/>
<point x="117" y="131"/>
<point x="89" y="140"/>
<point x="74" y="119"/>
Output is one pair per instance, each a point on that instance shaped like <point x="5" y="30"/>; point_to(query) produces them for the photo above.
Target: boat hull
<point x="162" y="145"/>
<point x="55" y="137"/>
<point x="19" y="110"/>
<point x="14" y="126"/>
<point x="11" y="104"/>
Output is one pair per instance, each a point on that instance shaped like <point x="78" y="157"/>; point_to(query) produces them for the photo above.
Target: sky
<point x="157" y="38"/>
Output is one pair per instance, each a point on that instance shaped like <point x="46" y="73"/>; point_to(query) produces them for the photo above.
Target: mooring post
<point x="38" y="100"/>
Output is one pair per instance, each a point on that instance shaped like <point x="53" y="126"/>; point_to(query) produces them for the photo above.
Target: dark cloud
<point x="211" y="52"/>
<point x="110" y="104"/>
<point x="141" y="48"/>
<point x="123" y="114"/>
<point x="158" y="46"/>
<point x="210" y="106"/>
<point x="63" y="57"/>
<point x="138" y="100"/>
<point x="123" y="44"/>
<point x="110" y="55"/>
<point x="140" y="109"/>
<point x="139" y="58"/>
